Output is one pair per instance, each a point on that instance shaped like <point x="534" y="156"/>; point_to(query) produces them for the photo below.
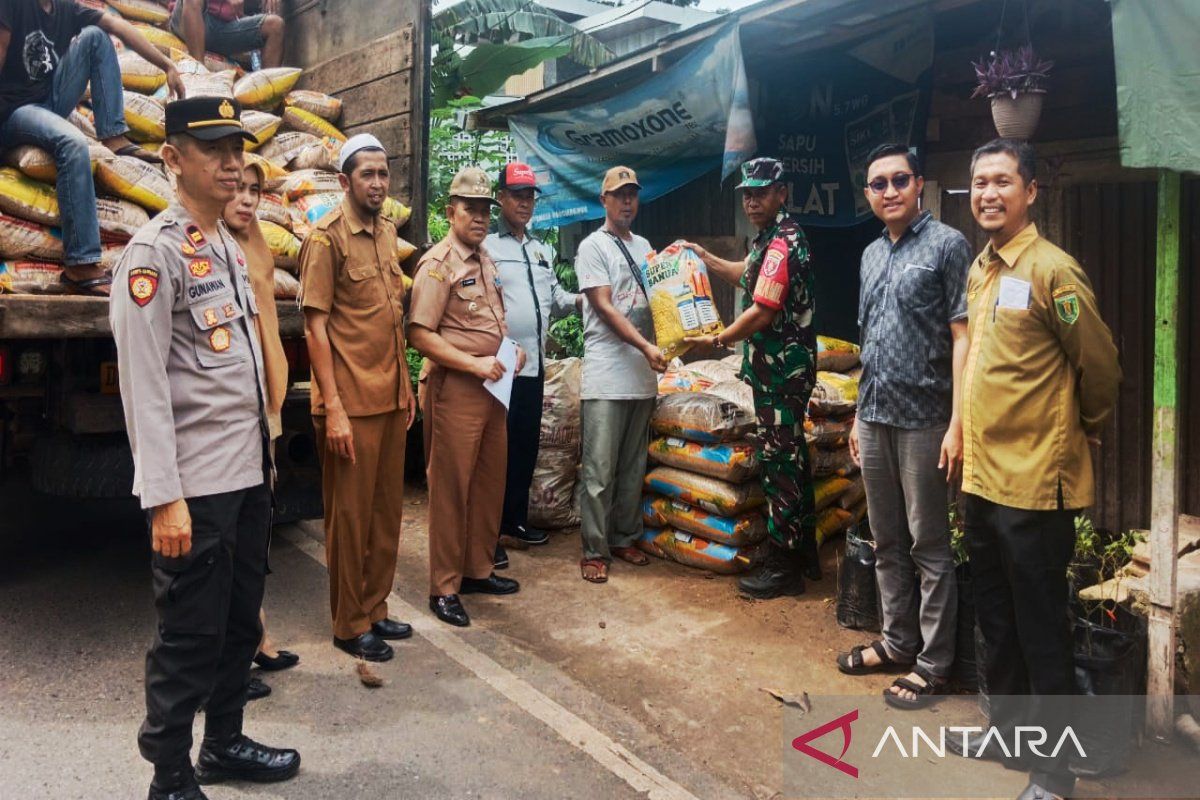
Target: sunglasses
<point x="899" y="180"/>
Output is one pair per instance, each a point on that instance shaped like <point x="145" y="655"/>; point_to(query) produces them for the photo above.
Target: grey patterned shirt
<point x="910" y="293"/>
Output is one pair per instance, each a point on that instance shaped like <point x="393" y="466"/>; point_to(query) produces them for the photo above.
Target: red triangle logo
<point x="801" y="743"/>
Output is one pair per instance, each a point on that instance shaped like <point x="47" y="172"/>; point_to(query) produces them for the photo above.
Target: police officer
<point x="457" y="323"/>
<point x="780" y="366"/>
<point x="191" y="375"/>
<point x="532" y="297"/>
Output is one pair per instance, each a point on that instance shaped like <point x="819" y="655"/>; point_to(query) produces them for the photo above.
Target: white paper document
<point x="1014" y="293"/>
<point x="506" y="355"/>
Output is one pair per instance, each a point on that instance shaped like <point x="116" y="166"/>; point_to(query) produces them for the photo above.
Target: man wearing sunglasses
<point x="907" y="436"/>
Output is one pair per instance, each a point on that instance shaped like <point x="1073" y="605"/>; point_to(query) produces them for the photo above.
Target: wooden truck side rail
<point x="28" y="316"/>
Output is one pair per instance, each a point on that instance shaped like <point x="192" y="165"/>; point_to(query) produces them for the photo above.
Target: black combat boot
<point x="780" y="573"/>
<point x="175" y="782"/>
<point x="239" y="758"/>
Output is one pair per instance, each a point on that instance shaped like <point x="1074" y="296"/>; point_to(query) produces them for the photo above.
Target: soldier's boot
<point x="781" y="573"/>
<point x="237" y="757"/>
<point x="175" y="783"/>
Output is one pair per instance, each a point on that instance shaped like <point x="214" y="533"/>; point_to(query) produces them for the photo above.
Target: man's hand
<point x="951" y="457"/>
<point x="171" y="529"/>
<point x="488" y="368"/>
<point x="521" y="358"/>
<point x="339" y="435"/>
<point x="705" y="256"/>
<point x="655" y="357"/>
<point x="853" y="441"/>
<point x="175" y="83"/>
<point x="410" y="408"/>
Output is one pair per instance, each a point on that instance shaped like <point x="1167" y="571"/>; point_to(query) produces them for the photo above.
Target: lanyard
<point x="537" y="305"/>
<point x="633" y="268"/>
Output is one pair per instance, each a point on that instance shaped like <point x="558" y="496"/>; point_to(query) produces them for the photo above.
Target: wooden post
<point x="1165" y="472"/>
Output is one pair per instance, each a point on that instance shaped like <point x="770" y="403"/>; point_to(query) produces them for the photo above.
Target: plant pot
<point x="858" y="606"/>
<point x="1017" y="118"/>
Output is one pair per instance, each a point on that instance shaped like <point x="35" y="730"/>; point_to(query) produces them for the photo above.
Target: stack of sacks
<point x="553" y="504"/>
<point x="841" y="501"/>
<point x="704" y="504"/>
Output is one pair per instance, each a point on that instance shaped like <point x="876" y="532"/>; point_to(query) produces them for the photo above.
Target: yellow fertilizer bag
<point x="827" y="490"/>
<point x="163" y="39"/>
<point x="395" y="211"/>
<point x="134" y="180"/>
<point x="147" y="118"/>
<point x="29" y="277"/>
<point x="836" y="355"/>
<point x="681" y="298"/>
<point x="729" y="462"/>
<point x="38" y="164"/>
<point x="711" y="494"/>
<point x="273" y="176"/>
<point x="27" y="199"/>
<point x="693" y="551"/>
<point x="310" y="181"/>
<point x="185" y="63"/>
<point x="283" y="147"/>
<point x="322" y="105"/>
<point x="272" y="209"/>
<point x="138" y="74"/>
<point x="700" y="417"/>
<point x="262" y="125"/>
<point x="297" y="119"/>
<point x="201" y="84"/>
<point x="834" y="395"/>
<point x="119" y="219"/>
<point x="285" y="247"/>
<point x="831" y="522"/>
<point x="404" y="249"/>
<point x="141" y="11"/>
<point x="748" y="528"/>
<point x="853" y="496"/>
<point x="21" y="239"/>
<point x="266" y="88"/>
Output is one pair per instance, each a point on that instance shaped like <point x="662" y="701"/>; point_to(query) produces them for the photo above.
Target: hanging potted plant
<point x="1014" y="80"/>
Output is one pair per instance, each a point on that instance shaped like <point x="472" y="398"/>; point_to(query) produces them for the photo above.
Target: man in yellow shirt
<point x="1041" y="378"/>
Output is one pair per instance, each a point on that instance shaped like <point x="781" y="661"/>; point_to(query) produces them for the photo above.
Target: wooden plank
<point x="1164" y="503"/>
<point x="53" y="317"/>
<point x="394" y="133"/>
<point x="385" y="97"/>
<point x="385" y="56"/>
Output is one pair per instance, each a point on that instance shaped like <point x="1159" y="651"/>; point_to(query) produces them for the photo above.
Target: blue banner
<point x="671" y="129"/>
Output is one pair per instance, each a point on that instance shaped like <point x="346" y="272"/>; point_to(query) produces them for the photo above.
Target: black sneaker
<point x="527" y="536"/>
<point x="501" y="561"/>
<point x="257" y="690"/>
<point x="778" y="575"/>
<point x="240" y="758"/>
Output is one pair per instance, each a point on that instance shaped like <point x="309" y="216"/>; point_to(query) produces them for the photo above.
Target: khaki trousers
<point x="364" y="502"/>
<point x="466" y="453"/>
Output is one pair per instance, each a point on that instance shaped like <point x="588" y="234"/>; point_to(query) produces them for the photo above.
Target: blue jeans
<point x="224" y="38"/>
<point x="90" y="57"/>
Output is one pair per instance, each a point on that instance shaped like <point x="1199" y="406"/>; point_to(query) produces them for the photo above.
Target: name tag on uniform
<point x="1014" y="293"/>
<point x="468" y="282"/>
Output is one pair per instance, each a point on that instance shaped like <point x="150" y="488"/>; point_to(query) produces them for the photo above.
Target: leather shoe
<point x="501" y="559"/>
<point x="492" y="584"/>
<point x="449" y="609"/>
<point x="391" y="629"/>
<point x="526" y="536"/>
<point x="366" y="646"/>
<point x="175" y="783"/>
<point x="257" y="690"/>
<point x="240" y="758"/>
<point x="991" y="752"/>
<point x="1035" y="792"/>
<point x="191" y="792"/>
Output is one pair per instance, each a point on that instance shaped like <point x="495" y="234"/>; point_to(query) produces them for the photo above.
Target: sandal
<point x="632" y="555"/>
<point x="142" y="153"/>
<point x="599" y="567"/>
<point x="924" y="694"/>
<point x="852" y="663"/>
<point x="88" y="287"/>
<point x="283" y="660"/>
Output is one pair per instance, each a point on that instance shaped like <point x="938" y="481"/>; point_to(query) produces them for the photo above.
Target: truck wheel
<point x="82" y="466"/>
<point x="298" y="472"/>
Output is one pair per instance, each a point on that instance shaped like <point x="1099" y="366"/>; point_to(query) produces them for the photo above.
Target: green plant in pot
<point x="1014" y="80"/>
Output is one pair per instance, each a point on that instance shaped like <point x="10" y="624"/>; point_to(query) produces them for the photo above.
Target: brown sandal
<point x="632" y="555"/>
<point x="600" y="567"/>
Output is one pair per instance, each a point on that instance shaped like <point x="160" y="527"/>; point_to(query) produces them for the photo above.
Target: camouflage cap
<point x="472" y="182"/>
<point x="761" y="172"/>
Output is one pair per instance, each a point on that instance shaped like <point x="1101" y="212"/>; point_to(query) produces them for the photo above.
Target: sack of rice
<point x="395" y="211"/>
<point x="38" y="164"/>
<point x="163" y="39"/>
<point x="273" y="176"/>
<point x="27" y="199"/>
<point x="855" y="494"/>
<point x="319" y="156"/>
<point x="729" y="462"/>
<point x="138" y="74"/>
<point x="215" y="62"/>
<point x="110" y="254"/>
<point x="119" y="219"/>
<point x="261" y="124"/>
<point x="832" y="462"/>
<point x="185" y="64"/>
<point x="836" y="355"/>
<point x="736" y="392"/>
<point x="201" y="84"/>
<point x="748" y="528"/>
<point x="133" y="179"/>
<point x="287" y="286"/>
<point x="266" y="88"/>
<point x="29" y="277"/>
<point x="700" y="417"/>
<point x="283" y="147"/>
<point x="828" y="490"/>
<point x="693" y="551"/>
<point x="716" y="371"/>
<point x="834" y="395"/>
<point x="831" y="522"/>
<point x="147" y="118"/>
<point x="711" y="494"/>
<point x="285" y="247"/>
<point x="272" y="209"/>
<point x="404" y="249"/>
<point x="681" y="379"/>
<point x="310" y="181"/>
<point x="828" y="433"/>
<point x="552" y="493"/>
<point x="141" y="11"/>
<point x="81" y="118"/>
<point x="21" y="239"/>
<point x="681" y="298"/>
<point x="297" y="119"/>
<point x="324" y="106"/>
<point x="308" y="210"/>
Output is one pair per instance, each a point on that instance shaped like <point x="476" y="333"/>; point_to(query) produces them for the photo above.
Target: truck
<point x="61" y="420"/>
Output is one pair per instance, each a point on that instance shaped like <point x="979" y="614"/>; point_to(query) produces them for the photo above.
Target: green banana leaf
<point x="509" y="21"/>
<point x="488" y="66"/>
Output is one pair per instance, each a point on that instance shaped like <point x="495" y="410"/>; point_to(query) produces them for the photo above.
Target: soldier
<point x="780" y="366"/>
<point x="191" y="374"/>
<point x="352" y="292"/>
<point x="457" y="323"/>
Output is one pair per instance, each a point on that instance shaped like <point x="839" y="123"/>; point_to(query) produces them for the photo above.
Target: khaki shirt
<point x="189" y="362"/>
<point x="458" y="294"/>
<point x="351" y="270"/>
<point x="1041" y="376"/>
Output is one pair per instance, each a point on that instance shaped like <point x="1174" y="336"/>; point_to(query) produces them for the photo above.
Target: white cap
<point x="359" y="141"/>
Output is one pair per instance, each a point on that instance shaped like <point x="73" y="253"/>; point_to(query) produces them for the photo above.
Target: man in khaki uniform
<point x="352" y="293"/>
<point x="457" y="323"/>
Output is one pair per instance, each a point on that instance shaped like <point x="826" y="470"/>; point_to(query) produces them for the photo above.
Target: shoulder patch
<point x="1066" y="304"/>
<point x="776" y="255"/>
<point x="143" y="285"/>
<point x="195" y="236"/>
<point x="319" y="237"/>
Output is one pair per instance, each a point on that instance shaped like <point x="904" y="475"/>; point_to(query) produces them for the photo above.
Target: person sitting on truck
<point x="49" y="51"/>
<point x="220" y="26"/>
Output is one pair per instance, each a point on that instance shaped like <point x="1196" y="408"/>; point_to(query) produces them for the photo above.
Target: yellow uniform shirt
<point x="1041" y="376"/>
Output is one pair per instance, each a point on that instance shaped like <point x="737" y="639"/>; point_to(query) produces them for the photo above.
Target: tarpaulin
<point x="676" y="126"/>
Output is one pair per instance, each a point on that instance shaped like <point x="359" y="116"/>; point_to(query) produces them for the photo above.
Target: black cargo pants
<point x="208" y="625"/>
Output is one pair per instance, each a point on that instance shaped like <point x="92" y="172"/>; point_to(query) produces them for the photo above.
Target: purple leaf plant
<point x="1010" y="72"/>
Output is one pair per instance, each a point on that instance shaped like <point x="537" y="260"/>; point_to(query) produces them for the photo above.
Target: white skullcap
<point x="360" y="141"/>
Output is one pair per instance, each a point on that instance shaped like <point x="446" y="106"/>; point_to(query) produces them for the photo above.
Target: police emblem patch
<point x="229" y="311"/>
<point x="210" y="317"/>
<point x="143" y="285"/>
<point x="200" y="268"/>
<point x="220" y="339"/>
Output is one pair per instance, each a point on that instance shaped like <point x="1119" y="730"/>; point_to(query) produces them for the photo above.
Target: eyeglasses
<point x="899" y="180"/>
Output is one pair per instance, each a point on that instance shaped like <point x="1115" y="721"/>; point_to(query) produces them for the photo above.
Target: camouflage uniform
<point x="779" y="363"/>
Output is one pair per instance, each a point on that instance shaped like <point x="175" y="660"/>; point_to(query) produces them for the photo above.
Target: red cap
<point x="517" y="176"/>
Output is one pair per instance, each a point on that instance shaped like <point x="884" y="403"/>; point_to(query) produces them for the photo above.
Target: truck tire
<point x="82" y="466"/>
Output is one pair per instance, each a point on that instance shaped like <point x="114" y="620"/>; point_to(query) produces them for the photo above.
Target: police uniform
<point x="191" y="372"/>
<point x="457" y="294"/>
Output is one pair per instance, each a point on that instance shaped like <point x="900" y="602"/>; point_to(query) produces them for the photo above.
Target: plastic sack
<point x="164" y="40"/>
<point x="320" y="104"/>
<point x="22" y="240"/>
<point x="119" y="219"/>
<point x="38" y="164"/>
<point x="854" y="495"/>
<point x="261" y="124"/>
<point x="266" y="88"/>
<point x="831" y="522"/>
<point x="27" y="199"/>
<point x="215" y="62"/>
<point x="700" y="417"/>
<point x="273" y="176"/>
<point x="745" y="529"/>
<point x="147" y="118"/>
<point x="836" y="355"/>
<point x="283" y="147"/>
<point x="310" y="181"/>
<point x="133" y="179"/>
<point x="680" y="379"/>
<point x="834" y="395"/>
<point x="110" y="254"/>
<point x="307" y="210"/>
<point x="141" y="11"/>
<point x="323" y="155"/>
<point x="297" y="119"/>
<point x="828" y="433"/>
<point x="729" y="462"/>
<point x="395" y="211"/>
<point x="284" y="245"/>
<point x="287" y="286"/>
<point x="858" y="603"/>
<point x="681" y="298"/>
<point x="404" y="249"/>
<point x="717" y="496"/>
<point x="29" y="277"/>
<point x="827" y="490"/>
<point x="737" y="392"/>
<point x="552" y="494"/>
<point x="81" y="118"/>
<point x="693" y="551"/>
<point x="1108" y="662"/>
<point x="715" y="370"/>
<point x="201" y="84"/>
<point x="561" y="405"/>
<point x="138" y="74"/>
<point x="272" y="209"/>
<point x="832" y="462"/>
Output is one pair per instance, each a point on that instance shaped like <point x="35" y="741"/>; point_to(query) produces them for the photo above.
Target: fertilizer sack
<point x="681" y="298"/>
<point x="322" y="105"/>
<point x="201" y="84"/>
<point x="141" y="11"/>
<point x="133" y="179"/>
<point x="285" y="146"/>
<point x="27" y="199"/>
<point x="310" y="181"/>
<point x="138" y="74"/>
<point x="284" y="245"/>
<point x="836" y="355"/>
<point x="297" y="119"/>
<point x="272" y="209"/>
<point x="22" y="240"/>
<point x="146" y="117"/>
<point x="319" y="156"/>
<point x="828" y="433"/>
<point x="744" y="529"/>
<point x="828" y="490"/>
<point x="38" y="164"/>
<point x="119" y="219"/>
<point x="395" y="211"/>
<point x="165" y="41"/>
<point x="700" y="417"/>
<point x="832" y="462"/>
<point x="262" y="125"/>
<point x="553" y="500"/>
<point x="731" y="462"/>
<point x="678" y="378"/>
<point x="287" y="287"/>
<point x="834" y="395"/>
<point x="717" y="371"/>
<point x="736" y="392"/>
<point x="711" y="494"/>
<point x="693" y="551"/>
<point x="29" y="277"/>
<point x="266" y="88"/>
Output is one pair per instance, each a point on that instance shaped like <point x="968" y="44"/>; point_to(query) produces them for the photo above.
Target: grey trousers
<point x="615" y="435"/>
<point x="907" y="505"/>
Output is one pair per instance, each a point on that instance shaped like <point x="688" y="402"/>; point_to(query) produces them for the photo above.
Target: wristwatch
<point x="717" y="340"/>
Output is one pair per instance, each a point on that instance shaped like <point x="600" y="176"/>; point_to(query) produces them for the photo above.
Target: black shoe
<point x="526" y="536"/>
<point x="240" y="758"/>
<point x="282" y="660"/>
<point x="391" y="629"/>
<point x="366" y="646"/>
<point x="492" y="584"/>
<point x="257" y="690"/>
<point x="992" y="752"/>
<point x="501" y="559"/>
<point x="448" y="609"/>
<point x="1035" y="792"/>
<point x="175" y="783"/>
<point x="191" y="792"/>
<point x="779" y="574"/>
